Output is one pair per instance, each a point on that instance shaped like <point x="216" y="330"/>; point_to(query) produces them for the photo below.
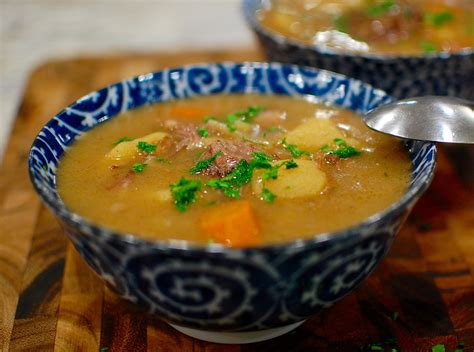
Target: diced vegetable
<point x="233" y="224"/>
<point x="128" y="150"/>
<point x="313" y="134"/>
<point x="306" y="180"/>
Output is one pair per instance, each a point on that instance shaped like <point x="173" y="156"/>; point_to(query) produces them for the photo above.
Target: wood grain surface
<point x="420" y="296"/>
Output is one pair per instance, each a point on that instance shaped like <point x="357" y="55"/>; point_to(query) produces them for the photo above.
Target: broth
<point x="261" y="170"/>
<point x="407" y="27"/>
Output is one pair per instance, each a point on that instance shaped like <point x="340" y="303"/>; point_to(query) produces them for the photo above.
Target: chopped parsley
<point x="230" y="122"/>
<point x="251" y="113"/>
<point x="244" y="116"/>
<point x="204" y="164"/>
<point x="261" y="161"/>
<point x="202" y="132"/>
<point x="268" y="196"/>
<point x="438" y="19"/>
<point x="428" y="47"/>
<point x="209" y="118"/>
<point x="290" y="164"/>
<point x="121" y="140"/>
<point x="273" y="173"/>
<point x="231" y="184"/>
<point x="342" y="150"/>
<point x="104" y="349"/>
<point x="340" y="23"/>
<point x="389" y="344"/>
<point x="139" y="167"/>
<point x="438" y="348"/>
<point x="293" y="149"/>
<point x="381" y="8"/>
<point x="184" y="192"/>
<point x="146" y="147"/>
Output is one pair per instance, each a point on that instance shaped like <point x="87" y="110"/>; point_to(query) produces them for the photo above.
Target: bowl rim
<point x="247" y="7"/>
<point x="60" y="209"/>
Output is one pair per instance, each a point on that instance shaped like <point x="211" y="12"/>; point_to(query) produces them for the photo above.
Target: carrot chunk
<point x="189" y="113"/>
<point x="232" y="224"/>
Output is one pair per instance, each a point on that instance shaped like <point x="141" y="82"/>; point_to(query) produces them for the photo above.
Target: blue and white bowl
<point x="212" y="292"/>
<point x="400" y="76"/>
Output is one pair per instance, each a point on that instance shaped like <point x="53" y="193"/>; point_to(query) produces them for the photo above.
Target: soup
<point x="408" y="27"/>
<point x="241" y="170"/>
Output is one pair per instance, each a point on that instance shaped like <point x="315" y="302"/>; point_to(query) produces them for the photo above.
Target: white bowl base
<point x="237" y="337"/>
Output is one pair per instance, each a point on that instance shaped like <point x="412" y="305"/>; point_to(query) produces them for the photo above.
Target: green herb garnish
<point x="438" y="348"/>
<point x="376" y="347"/>
<point x="231" y="184"/>
<point x="209" y="118"/>
<point x="261" y="161"/>
<point x="230" y="121"/>
<point x="343" y="150"/>
<point x="381" y="8"/>
<point x="273" y="173"/>
<point x="438" y="19"/>
<point x="202" y="132"/>
<point x="293" y="149"/>
<point x="184" y="192"/>
<point x="245" y="116"/>
<point x="251" y="113"/>
<point x="121" y="140"/>
<point x="146" y="147"/>
<point x="104" y="349"/>
<point x="340" y="23"/>
<point x="428" y="47"/>
<point x="139" y="167"/>
<point x="204" y="164"/>
<point x="268" y="196"/>
<point x="290" y="164"/>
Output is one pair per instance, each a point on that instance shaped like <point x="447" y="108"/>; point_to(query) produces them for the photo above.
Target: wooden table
<point x="421" y="295"/>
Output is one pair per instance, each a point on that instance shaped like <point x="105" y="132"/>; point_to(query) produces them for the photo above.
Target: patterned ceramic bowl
<point x="211" y="292"/>
<point x="399" y="76"/>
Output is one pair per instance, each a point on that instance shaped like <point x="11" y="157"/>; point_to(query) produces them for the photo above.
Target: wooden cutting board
<point x="421" y="295"/>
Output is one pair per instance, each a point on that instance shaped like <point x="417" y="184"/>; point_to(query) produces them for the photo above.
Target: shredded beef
<point x="231" y="152"/>
<point x="184" y="134"/>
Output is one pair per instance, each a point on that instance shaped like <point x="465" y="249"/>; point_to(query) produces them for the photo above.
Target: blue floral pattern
<point x="213" y="287"/>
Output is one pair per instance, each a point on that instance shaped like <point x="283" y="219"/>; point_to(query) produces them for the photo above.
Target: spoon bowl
<point x="430" y="118"/>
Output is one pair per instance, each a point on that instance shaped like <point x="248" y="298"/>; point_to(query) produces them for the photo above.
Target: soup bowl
<point x="215" y="293"/>
<point x="401" y="76"/>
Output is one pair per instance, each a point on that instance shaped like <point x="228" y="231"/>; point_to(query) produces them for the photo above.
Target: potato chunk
<point x="313" y="134"/>
<point x="306" y="180"/>
<point x="127" y="151"/>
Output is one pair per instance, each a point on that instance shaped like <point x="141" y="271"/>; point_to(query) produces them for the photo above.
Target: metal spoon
<point x="436" y="119"/>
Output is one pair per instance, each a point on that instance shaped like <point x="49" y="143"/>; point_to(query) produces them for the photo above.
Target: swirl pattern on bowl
<point x="212" y="287"/>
